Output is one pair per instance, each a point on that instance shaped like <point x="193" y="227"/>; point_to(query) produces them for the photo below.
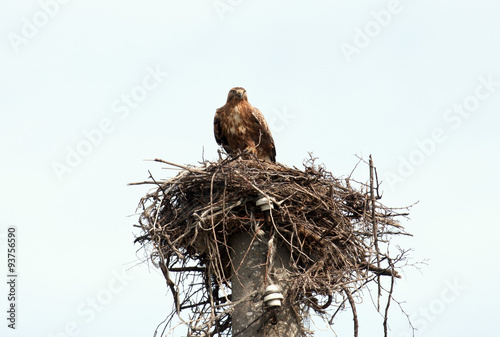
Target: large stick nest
<point x="334" y="233"/>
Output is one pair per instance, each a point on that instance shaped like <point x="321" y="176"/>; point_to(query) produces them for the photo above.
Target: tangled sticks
<point x="332" y="231"/>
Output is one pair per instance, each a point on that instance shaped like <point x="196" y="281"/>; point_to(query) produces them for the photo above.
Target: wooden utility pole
<point x="251" y="317"/>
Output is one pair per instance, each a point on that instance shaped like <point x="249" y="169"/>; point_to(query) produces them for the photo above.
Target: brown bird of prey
<point x="239" y="126"/>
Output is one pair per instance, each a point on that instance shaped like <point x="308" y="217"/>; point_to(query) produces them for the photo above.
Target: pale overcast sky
<point x="89" y="89"/>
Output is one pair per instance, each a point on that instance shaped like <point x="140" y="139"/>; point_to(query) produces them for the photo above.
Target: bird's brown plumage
<point x="239" y="126"/>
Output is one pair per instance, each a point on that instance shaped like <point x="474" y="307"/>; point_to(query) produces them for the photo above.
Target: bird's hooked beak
<point x="240" y="93"/>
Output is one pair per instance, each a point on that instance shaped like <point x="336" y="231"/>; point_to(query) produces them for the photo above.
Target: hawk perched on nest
<point x="239" y="126"/>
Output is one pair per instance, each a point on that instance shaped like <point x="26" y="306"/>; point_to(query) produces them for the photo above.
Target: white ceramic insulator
<point x="264" y="203"/>
<point x="273" y="296"/>
<point x="273" y="300"/>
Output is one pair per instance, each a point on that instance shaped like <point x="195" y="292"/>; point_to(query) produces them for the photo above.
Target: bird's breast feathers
<point x="236" y="122"/>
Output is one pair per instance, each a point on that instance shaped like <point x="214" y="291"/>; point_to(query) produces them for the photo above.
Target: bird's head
<point x="237" y="94"/>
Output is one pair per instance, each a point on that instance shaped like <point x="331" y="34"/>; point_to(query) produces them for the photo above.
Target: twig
<point x="389" y="298"/>
<point x="375" y="229"/>
<point x="179" y="166"/>
<point x="353" y="308"/>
